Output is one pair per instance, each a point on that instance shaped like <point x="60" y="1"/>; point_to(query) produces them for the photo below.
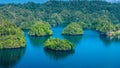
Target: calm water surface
<point x="91" y="51"/>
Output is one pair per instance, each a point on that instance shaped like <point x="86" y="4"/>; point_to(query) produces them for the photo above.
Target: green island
<point x="10" y="35"/>
<point x="60" y="34"/>
<point x="57" y="44"/>
<point x="40" y="29"/>
<point x="73" y="29"/>
<point x="77" y="15"/>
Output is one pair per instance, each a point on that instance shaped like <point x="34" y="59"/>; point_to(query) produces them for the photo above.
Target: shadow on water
<point x="38" y="41"/>
<point x="10" y="57"/>
<point x="73" y="39"/>
<point x="107" y="40"/>
<point x="115" y="39"/>
<point x="56" y="55"/>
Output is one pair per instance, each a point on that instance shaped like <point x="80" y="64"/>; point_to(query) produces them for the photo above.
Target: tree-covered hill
<point x="60" y="12"/>
<point x="40" y="29"/>
<point x="10" y="35"/>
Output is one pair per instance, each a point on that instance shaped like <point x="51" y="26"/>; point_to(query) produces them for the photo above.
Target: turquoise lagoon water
<point x="91" y="51"/>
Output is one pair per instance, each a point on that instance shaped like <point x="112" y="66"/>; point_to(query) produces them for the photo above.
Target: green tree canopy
<point x="58" y="44"/>
<point x="72" y="29"/>
<point x="40" y="29"/>
<point x="104" y="25"/>
<point x="10" y="35"/>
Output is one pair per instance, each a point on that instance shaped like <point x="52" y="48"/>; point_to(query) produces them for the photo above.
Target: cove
<point x="91" y="51"/>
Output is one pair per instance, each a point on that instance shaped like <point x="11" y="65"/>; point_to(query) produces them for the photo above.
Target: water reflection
<point x="56" y="55"/>
<point x="73" y="39"/>
<point x="9" y="57"/>
<point x="106" y="40"/>
<point x="38" y="41"/>
<point x="115" y="39"/>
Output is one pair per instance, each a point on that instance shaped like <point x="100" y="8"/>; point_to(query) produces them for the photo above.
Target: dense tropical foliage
<point x="40" y="29"/>
<point x="105" y="18"/>
<point x="104" y="25"/>
<point x="72" y="29"/>
<point x="61" y="12"/>
<point x="56" y="44"/>
<point x="10" y="35"/>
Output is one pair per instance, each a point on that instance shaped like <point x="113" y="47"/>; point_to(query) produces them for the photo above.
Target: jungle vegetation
<point x="40" y="29"/>
<point x="105" y="18"/>
<point x="62" y="12"/>
<point x="10" y="35"/>
<point x="73" y="29"/>
<point x="57" y="44"/>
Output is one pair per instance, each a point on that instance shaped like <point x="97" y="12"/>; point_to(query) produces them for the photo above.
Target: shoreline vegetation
<point x="57" y="44"/>
<point x="10" y="35"/>
<point x="40" y="29"/>
<point x="39" y="18"/>
<point x="73" y="29"/>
